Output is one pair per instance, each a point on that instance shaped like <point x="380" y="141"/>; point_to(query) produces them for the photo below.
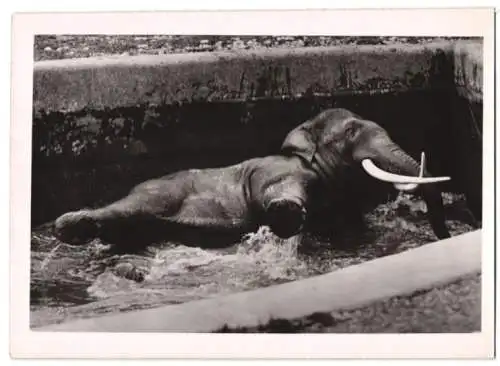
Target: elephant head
<point x="337" y="138"/>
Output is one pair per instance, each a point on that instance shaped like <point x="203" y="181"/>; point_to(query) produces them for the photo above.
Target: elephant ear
<point x="301" y="141"/>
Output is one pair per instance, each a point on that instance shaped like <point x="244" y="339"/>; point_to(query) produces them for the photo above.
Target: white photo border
<point x="402" y="22"/>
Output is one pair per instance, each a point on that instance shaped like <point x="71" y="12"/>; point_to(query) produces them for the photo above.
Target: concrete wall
<point x="468" y="67"/>
<point x="465" y="124"/>
<point x="126" y="119"/>
<point x="102" y="105"/>
<point x="97" y="83"/>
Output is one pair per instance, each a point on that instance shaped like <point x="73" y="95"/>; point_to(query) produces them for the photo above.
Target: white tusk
<point x="410" y="187"/>
<point x="382" y="175"/>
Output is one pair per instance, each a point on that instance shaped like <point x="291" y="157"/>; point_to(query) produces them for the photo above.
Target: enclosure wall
<point x="101" y="125"/>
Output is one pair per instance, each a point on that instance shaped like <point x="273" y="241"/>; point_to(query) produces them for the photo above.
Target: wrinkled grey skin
<point x="214" y="207"/>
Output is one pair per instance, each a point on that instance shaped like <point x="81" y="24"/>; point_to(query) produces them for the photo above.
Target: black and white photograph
<point x="262" y="183"/>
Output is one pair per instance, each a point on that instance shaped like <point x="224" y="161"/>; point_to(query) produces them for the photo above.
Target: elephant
<point x="215" y="207"/>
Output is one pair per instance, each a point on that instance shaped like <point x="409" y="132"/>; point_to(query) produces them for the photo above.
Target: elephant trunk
<point x="397" y="161"/>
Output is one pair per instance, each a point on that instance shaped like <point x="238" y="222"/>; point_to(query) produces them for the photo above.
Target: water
<point x="78" y="282"/>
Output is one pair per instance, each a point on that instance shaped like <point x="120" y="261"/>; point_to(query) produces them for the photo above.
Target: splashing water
<point x="174" y="274"/>
<point x="77" y="282"/>
<point x="182" y="271"/>
<point x="47" y="259"/>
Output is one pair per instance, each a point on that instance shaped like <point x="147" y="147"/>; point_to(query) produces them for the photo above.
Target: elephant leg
<point x="209" y="221"/>
<point x="126" y="222"/>
<point x="285" y="208"/>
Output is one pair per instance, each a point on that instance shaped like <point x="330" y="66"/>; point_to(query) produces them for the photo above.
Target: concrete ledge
<point x="402" y="274"/>
<point x="111" y="82"/>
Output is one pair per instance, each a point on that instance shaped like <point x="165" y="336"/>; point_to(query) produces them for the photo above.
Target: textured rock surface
<point x="51" y="47"/>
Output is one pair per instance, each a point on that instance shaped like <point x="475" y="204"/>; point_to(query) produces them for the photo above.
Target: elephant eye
<point x="351" y="131"/>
